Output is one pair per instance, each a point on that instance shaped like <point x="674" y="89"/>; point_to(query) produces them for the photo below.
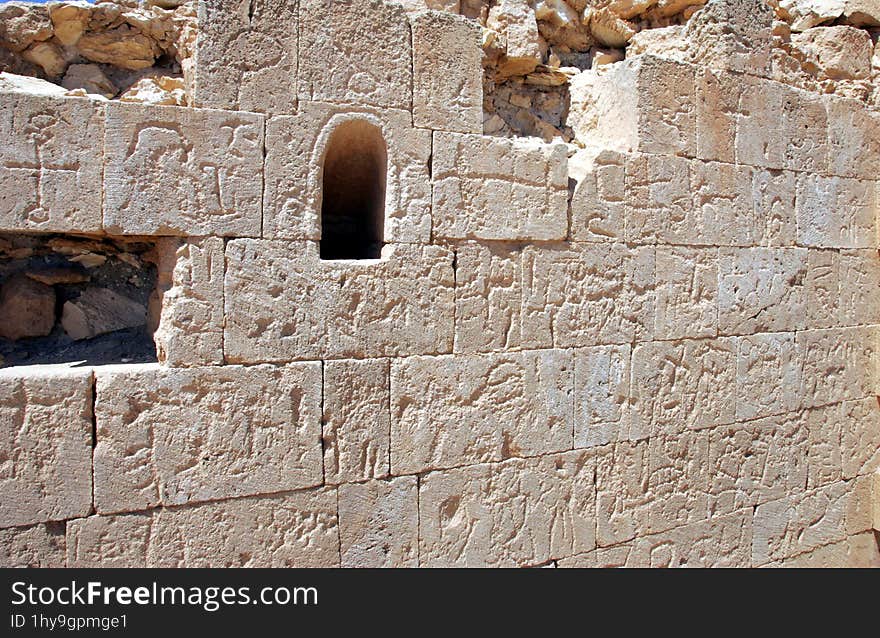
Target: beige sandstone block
<point x="756" y="462"/>
<point x="38" y="546"/>
<point x="859" y="297"/>
<point x="600" y="558"/>
<point x="246" y="55"/>
<point x="50" y="163"/>
<point x="498" y="188"/>
<point x="853" y="139"/>
<point x="860" y="438"/>
<point x="357" y="420"/>
<point x="659" y="198"/>
<point x="823" y="426"/>
<point x="687" y="293"/>
<point x="836" y="212"/>
<point x="294" y="530"/>
<point x="284" y="303"/>
<point x="447" y="73"/>
<point x="601" y="396"/>
<point x="45" y="444"/>
<point x="678" y="480"/>
<point x="587" y="294"/>
<point x="174" y="171"/>
<point x="681" y="385"/>
<point x="190" y="331"/>
<point x="623" y="497"/>
<point x="175" y="436"/>
<point x="356" y="52"/>
<point x="598" y="203"/>
<point x="768" y="375"/>
<point x="773" y="196"/>
<point x="836" y="365"/>
<point x="520" y="512"/>
<point x="717" y="104"/>
<point x="859" y="551"/>
<point x="379" y="523"/>
<point x="875" y="500"/>
<point x="456" y="410"/>
<point x="799" y="523"/>
<point x="295" y="150"/>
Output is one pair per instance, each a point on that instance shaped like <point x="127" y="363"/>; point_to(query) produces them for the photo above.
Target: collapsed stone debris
<point x="506" y="283"/>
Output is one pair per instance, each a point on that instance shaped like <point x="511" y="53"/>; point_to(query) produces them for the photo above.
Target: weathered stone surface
<point x="805" y="14"/>
<point x="295" y="150"/>
<point x="159" y="90"/>
<point x="358" y="52"/>
<point x="838" y="52"/>
<point x="90" y="78"/>
<point x="598" y="201"/>
<point x="447" y="73"/>
<point x="379" y="523"/>
<point x="46" y="445"/>
<point x="467" y="518"/>
<point x="836" y="365"/>
<point x="37" y="546"/>
<point x="98" y="311"/>
<point x="768" y="375"/>
<point x="680" y="385"/>
<point x="246" y="55"/>
<point x="687" y="293"/>
<point x="601" y="396"/>
<point x="175" y="436"/>
<point x="50" y="164"/>
<point x="27" y="308"/>
<point x="450" y="411"/>
<point x="296" y="530"/>
<point x="859" y="551"/>
<point x="356" y="420"/>
<point x="836" y="212"/>
<point x="23" y="24"/>
<point x="124" y="46"/>
<point x="494" y="188"/>
<point x="171" y="171"/>
<point x="859" y="296"/>
<point x="853" y="139"/>
<point x="678" y="480"/>
<point x="516" y="21"/>
<point x="283" y="303"/>
<point x="860" y="438"/>
<point x="190" y="330"/>
<point x="622" y="492"/>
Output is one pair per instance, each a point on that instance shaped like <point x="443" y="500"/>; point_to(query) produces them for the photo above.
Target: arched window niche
<point x="353" y="192"/>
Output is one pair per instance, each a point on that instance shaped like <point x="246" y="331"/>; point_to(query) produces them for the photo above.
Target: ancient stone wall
<point x="603" y="284"/>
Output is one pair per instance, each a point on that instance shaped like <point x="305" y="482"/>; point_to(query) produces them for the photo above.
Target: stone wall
<point x="649" y="340"/>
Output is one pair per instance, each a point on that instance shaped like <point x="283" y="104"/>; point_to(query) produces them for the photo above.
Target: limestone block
<point x="498" y="188"/>
<point x="836" y="52"/>
<point x="645" y="104"/>
<point x="246" y="55"/>
<point x="190" y="331"/>
<point x="295" y="150"/>
<point x="598" y="203"/>
<point x="622" y="493"/>
<point x="601" y="395"/>
<point x="520" y="512"/>
<point x="295" y="530"/>
<point x="823" y="426"/>
<point x="173" y="171"/>
<point x="516" y="21"/>
<point x="447" y="73"/>
<point x="717" y="102"/>
<point x="756" y="462"/>
<point x="853" y="139"/>
<point x="875" y="500"/>
<point x="679" y="385"/>
<point x="283" y="303"/>
<point x="175" y="436"/>
<point x="678" y="480"/>
<point x="773" y="196"/>
<point x="687" y="293"/>
<point x="768" y="375"/>
<point x="658" y="198"/>
<point x="587" y="294"/>
<point x="46" y="444"/>
<point x="860" y="438"/>
<point x="858" y="507"/>
<point x="836" y="212"/>
<point x="859" y="552"/>
<point x="799" y="523"/>
<point x="734" y="35"/>
<point x="488" y="297"/>
<point x="38" y="546"/>
<point x="50" y="163"/>
<point x="356" y="52"/>
<point x="836" y="365"/>
<point x="379" y="523"/>
<point x="357" y="420"/>
<point x="859" y="297"/>
<point x="449" y="411"/>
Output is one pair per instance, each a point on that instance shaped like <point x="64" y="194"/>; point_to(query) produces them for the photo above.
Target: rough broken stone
<point x="176" y="436"/>
<point x="98" y="311"/>
<point x="89" y="77"/>
<point x="839" y="52"/>
<point x="378" y="523"/>
<point x="46" y="418"/>
<point x="36" y="547"/>
<point x="27" y="308"/>
<point x="161" y="91"/>
<point x="516" y="21"/>
<point x="598" y="201"/>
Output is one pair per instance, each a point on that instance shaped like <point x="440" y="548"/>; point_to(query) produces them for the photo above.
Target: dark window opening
<point x="353" y="192"/>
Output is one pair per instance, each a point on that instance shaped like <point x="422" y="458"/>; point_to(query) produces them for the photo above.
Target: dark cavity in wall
<point x="70" y="299"/>
<point x="353" y="192"/>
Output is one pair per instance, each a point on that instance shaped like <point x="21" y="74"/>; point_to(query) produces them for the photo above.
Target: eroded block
<point x="860" y="438"/>
<point x="836" y="365"/>
<point x="109" y="541"/>
<point x="598" y="203"/>
<point x="246" y="55"/>
<point x="357" y="420"/>
<point x="447" y="73"/>
<point x="678" y="480"/>
<point x="450" y="411"/>
<point x="853" y="139"/>
<point x="379" y="523"/>
<point x="295" y="150"/>
<point x="45" y="444"/>
<point x="687" y="293"/>
<point x="174" y="436"/>
<point x="37" y="546"/>
<point x="283" y="303"/>
<point x="768" y="375"/>
<point x="499" y="188"/>
<point x="50" y="163"/>
<point x="601" y="396"/>
<point x="520" y="512"/>
<point x="859" y="297"/>
<point x="174" y="171"/>
<point x="836" y="212"/>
